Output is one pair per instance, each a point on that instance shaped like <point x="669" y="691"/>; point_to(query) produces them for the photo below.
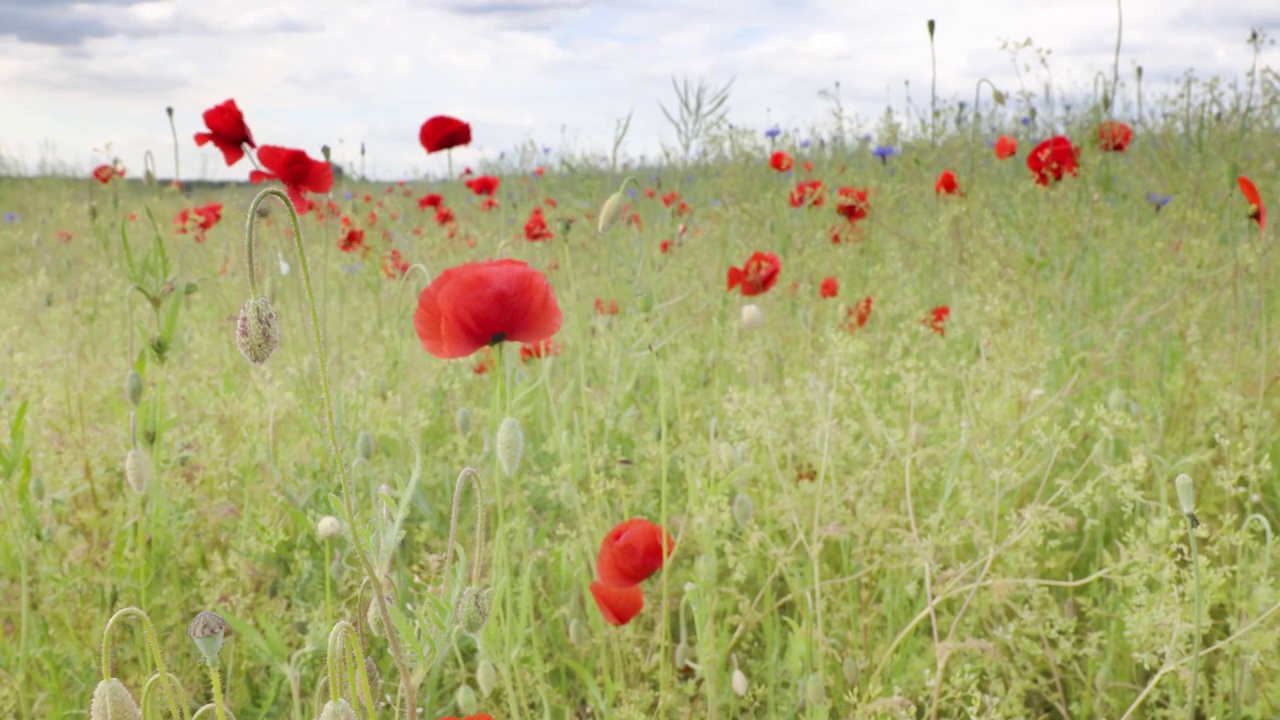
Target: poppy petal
<point x="631" y="552"/>
<point x="617" y="605"/>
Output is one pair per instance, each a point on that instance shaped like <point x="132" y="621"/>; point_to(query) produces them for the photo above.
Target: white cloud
<point x="308" y="73"/>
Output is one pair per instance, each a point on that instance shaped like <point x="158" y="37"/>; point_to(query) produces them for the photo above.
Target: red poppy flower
<point x="64" y="236"/>
<point x="780" y="161"/>
<point x="394" y="265"/>
<point x="535" y="228"/>
<point x="536" y="351"/>
<point x="1114" y="136"/>
<point x="210" y="215"/>
<point x="757" y="275"/>
<point x="683" y="209"/>
<point x="484" y="303"/>
<point x="442" y="133"/>
<point x="947" y="184"/>
<point x="830" y="287"/>
<point x="859" y="314"/>
<point x="650" y="193"/>
<point x="618" y="605"/>
<point x="610" y="309"/>
<point x="227" y="131"/>
<point x="352" y="241"/>
<point x="1257" y="211"/>
<point x="1006" y="147"/>
<point x="104" y="173"/>
<point x="631" y="552"/>
<point x="1052" y="158"/>
<point x="665" y="246"/>
<point x="444" y="216"/>
<point x="808" y="192"/>
<point x="484" y="185"/>
<point x="489" y="204"/>
<point x="852" y="203"/>
<point x="937" y="320"/>
<point x="296" y="170"/>
<point x="670" y="198"/>
<point x="551" y="203"/>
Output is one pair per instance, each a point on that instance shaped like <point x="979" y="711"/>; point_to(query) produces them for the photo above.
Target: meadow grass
<point x="880" y="522"/>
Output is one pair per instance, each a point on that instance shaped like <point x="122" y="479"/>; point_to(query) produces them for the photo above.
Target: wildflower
<point x="665" y="246"/>
<point x="773" y="132"/>
<point x="470" y="306"/>
<point x="394" y="265"/>
<point x="483" y="185"/>
<point x="632" y="551"/>
<point x="1006" y="147"/>
<point x="780" y="161"/>
<point x="852" y="203"/>
<point x="1053" y="158"/>
<point x="488" y="204"/>
<point x="105" y="173"/>
<point x="617" y="605"/>
<point x="296" y="171"/>
<point x="858" y="315"/>
<point x="444" y="216"/>
<point x="807" y="193"/>
<point x="752" y="317"/>
<point x="884" y="152"/>
<point x="539" y="350"/>
<point x="352" y="241"/>
<point x="227" y="131"/>
<point x="610" y="309"/>
<point x="670" y="198"/>
<point x="757" y="275"/>
<point x="937" y="320"/>
<point x="442" y="133"/>
<point x="535" y="228"/>
<point x="1158" y="200"/>
<point x="1257" y="211"/>
<point x="947" y="184"/>
<point x="10" y="218"/>
<point x="1114" y="136"/>
<point x="830" y="288"/>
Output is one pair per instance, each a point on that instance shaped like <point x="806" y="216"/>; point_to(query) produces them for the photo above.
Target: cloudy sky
<point x="75" y="76"/>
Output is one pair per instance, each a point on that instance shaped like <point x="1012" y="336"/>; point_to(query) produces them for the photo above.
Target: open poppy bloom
<point x="617" y="605"/>
<point x="442" y="133"/>
<point x="227" y="131"/>
<point x="851" y="203"/>
<point x="1114" y="136"/>
<point x="1053" y="158"/>
<point x="468" y="307"/>
<point x="830" y="288"/>
<point x="484" y="185"/>
<point x="858" y="315"/>
<point x="535" y="228"/>
<point x="947" y="184"/>
<point x="937" y="320"/>
<point x="780" y="161"/>
<point x="1257" y="211"/>
<point x="631" y="552"/>
<point x="807" y="192"/>
<point x="296" y="170"/>
<point x="757" y="275"/>
<point x="104" y="173"/>
<point x="432" y="200"/>
<point x="1006" y="147"/>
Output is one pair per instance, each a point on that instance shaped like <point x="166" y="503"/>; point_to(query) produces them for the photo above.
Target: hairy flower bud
<point x="257" y="331"/>
<point x="462" y="421"/>
<point x="472" y="611"/>
<point x="364" y="445"/>
<point x="466" y="699"/>
<point x="510" y="445"/>
<point x="815" y="693"/>
<point x="338" y="710"/>
<point x="1186" y="493"/>
<point x="137" y="470"/>
<point x="610" y="212"/>
<point x="752" y="317"/>
<point x="486" y="677"/>
<point x="743" y="509"/>
<point x="133" y="387"/>
<point x="328" y="528"/>
<point x="207" y="631"/>
<point x="739" y="682"/>
<point x="112" y="701"/>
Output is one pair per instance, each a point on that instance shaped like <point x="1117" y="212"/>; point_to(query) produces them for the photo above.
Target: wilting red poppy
<point x="104" y="173"/>
<point x="830" y="287"/>
<point x="1257" y="211"/>
<point x="757" y="275"/>
<point x="780" y="161"/>
<point x="535" y="228"/>
<point x="1114" y="136"/>
<point x="947" y="184"/>
<point x="442" y="133"/>
<point x="618" y="604"/>
<point x="296" y="170"/>
<point x="937" y="320"/>
<point x="227" y="131"/>
<point x="484" y="185"/>
<point x="808" y="192"/>
<point x="859" y="314"/>
<point x="1052" y="158"/>
<point x="852" y="203"/>
<point x="470" y="306"/>
<point x="1006" y="147"/>
<point x="352" y="241"/>
<point x="631" y="552"/>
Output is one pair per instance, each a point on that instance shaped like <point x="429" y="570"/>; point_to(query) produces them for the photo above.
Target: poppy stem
<point x="474" y="476"/>
<point x="357" y="541"/>
<point x="622" y="189"/>
<point x="173" y="128"/>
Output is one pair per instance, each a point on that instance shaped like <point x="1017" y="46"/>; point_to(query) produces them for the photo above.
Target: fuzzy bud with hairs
<point x="257" y="330"/>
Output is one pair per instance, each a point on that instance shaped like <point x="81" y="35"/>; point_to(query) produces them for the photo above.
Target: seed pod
<point x="739" y="682"/>
<point x="510" y="445"/>
<point x="257" y="331"/>
<point x="137" y="470"/>
<point x="112" y="701"/>
<point x="486" y="677"/>
<point x="133" y="387"/>
<point x="364" y="445"/>
<point x="207" y="631"/>
<point x="466" y="699"/>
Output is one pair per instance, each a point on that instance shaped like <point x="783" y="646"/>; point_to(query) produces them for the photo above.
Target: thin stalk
<point x="216" y="681"/>
<point x="149" y="634"/>
<point x="1195" y="652"/>
<point x="348" y="509"/>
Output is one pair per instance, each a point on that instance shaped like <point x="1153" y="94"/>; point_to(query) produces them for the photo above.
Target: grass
<point x="885" y="522"/>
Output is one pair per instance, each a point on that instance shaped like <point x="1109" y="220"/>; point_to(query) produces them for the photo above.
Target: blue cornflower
<point x="346" y="195"/>
<point x="688" y="179"/>
<point x="632" y="191"/>
<point x="1026" y="121"/>
<point x="804" y="143"/>
<point x="1158" y="200"/>
<point x="351" y="269"/>
<point x="883" y="152"/>
<point x="773" y="132"/>
<point x="10" y="218"/>
<point x="546" y="150"/>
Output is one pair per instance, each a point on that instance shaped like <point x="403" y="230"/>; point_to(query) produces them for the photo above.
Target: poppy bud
<point x="1186" y="493"/>
<point x="610" y="212"/>
<point x="257" y="331"/>
<point x="815" y="693"/>
<point x="932" y="26"/>
<point x="743" y="509"/>
<point x="728" y="456"/>
<point x="466" y="699"/>
<point x="851" y="671"/>
<point x="364" y="445"/>
<point x="148" y="177"/>
<point x="337" y="710"/>
<point x="576" y="634"/>
<point x="683" y="656"/>
<point x="137" y="470"/>
<point x="752" y="317"/>
<point x="375" y="676"/>
<point x="462" y="421"/>
<point x="998" y="97"/>
<point x="472" y="611"/>
<point x="1115" y="400"/>
<point x="1139" y="73"/>
<point x="207" y="631"/>
<point x="324" y="152"/>
<point x="739" y="682"/>
<point x="112" y="701"/>
<point x="328" y="527"/>
<point x="486" y="677"/>
<point x="510" y="445"/>
<point x="37" y="488"/>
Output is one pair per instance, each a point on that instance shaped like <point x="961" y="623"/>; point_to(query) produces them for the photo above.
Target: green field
<point x="969" y="517"/>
